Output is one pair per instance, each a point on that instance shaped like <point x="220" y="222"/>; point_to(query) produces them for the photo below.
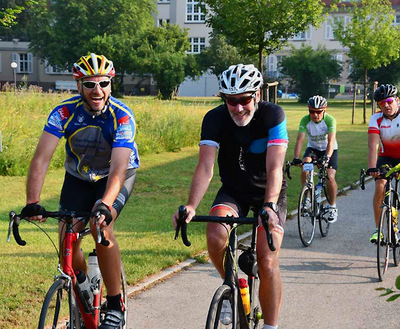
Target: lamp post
<point x="14" y="66"/>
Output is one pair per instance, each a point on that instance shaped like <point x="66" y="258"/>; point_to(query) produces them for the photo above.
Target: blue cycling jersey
<point x="90" y="139"/>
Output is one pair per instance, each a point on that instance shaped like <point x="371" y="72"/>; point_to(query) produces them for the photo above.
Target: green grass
<point x="144" y="229"/>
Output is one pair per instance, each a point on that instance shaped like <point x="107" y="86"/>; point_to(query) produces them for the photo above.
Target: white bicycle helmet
<point x="240" y="78"/>
<point x="317" y="102"/>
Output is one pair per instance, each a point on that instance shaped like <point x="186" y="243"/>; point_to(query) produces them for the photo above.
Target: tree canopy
<point x="310" y="70"/>
<point x="262" y="26"/>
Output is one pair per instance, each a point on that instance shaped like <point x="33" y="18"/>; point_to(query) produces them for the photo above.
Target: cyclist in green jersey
<point x="320" y="128"/>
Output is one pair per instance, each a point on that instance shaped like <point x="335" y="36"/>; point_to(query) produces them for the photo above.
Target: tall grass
<point x="161" y="126"/>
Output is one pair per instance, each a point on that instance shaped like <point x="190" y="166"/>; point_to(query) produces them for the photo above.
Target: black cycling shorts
<point x="242" y="204"/>
<point x="80" y="195"/>
<point x="333" y="160"/>
<point x="386" y="161"/>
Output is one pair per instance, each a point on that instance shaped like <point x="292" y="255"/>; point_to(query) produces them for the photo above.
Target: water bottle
<point x="318" y="192"/>
<point x="94" y="273"/>
<point x="395" y="219"/>
<point x="244" y="291"/>
<point x="84" y="290"/>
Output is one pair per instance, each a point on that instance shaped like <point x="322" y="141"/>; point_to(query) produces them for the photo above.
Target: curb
<point x="164" y="274"/>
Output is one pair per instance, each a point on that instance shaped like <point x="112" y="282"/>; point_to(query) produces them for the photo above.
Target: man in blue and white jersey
<point x="101" y="162"/>
<point x="251" y="139"/>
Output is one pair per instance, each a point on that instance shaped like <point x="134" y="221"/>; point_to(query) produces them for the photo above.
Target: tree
<point x="64" y="30"/>
<point x="255" y="27"/>
<point x="11" y="14"/>
<point x="310" y="70"/>
<point x="219" y="55"/>
<point x="372" y="38"/>
<point x="162" y="52"/>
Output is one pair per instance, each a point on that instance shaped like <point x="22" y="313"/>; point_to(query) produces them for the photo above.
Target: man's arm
<point x="373" y="145"/>
<point x="201" y="180"/>
<point x="39" y="165"/>
<point x="117" y="175"/>
<point x="331" y="144"/>
<point x="274" y="164"/>
<point x="299" y="144"/>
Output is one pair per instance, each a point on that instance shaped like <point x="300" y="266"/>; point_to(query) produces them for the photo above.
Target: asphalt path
<point x="330" y="284"/>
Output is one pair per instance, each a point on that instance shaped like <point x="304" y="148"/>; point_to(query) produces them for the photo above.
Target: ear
<point x="79" y="85"/>
<point x="258" y="95"/>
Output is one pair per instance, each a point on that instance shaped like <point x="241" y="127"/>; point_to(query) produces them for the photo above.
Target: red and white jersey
<point x="389" y="133"/>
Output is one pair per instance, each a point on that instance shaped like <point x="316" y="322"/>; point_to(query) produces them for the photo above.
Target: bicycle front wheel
<point x="324" y="215"/>
<point x="224" y="292"/>
<point x="306" y="216"/>
<point x="383" y="242"/>
<point x="59" y="308"/>
<point x="255" y="315"/>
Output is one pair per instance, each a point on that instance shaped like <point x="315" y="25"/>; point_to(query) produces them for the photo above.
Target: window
<point x="24" y="61"/>
<point x="306" y="35"/>
<point x="274" y="61"/>
<point x="397" y="20"/>
<point x="193" y="11"/>
<point x="330" y="25"/>
<point x="197" y="45"/>
<point x="49" y="69"/>
<point x="163" y="22"/>
<point x="163" y="1"/>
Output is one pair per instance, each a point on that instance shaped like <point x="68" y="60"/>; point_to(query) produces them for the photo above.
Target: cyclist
<point x="320" y="128"/>
<point x="101" y="162"/>
<point x="251" y="138"/>
<point x="383" y="134"/>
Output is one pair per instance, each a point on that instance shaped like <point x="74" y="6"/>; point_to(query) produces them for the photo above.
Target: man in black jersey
<point x="251" y="138"/>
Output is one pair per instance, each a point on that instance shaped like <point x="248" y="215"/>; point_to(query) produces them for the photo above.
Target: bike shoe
<point x="332" y="214"/>
<point x="226" y="312"/>
<point x="113" y="319"/>
<point x="374" y="237"/>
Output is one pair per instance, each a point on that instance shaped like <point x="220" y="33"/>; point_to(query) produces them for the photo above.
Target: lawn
<point x="144" y="229"/>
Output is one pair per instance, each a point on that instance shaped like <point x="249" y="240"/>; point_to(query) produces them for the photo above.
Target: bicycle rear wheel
<point x="255" y="315"/>
<point x="306" y="216"/>
<point x="124" y="299"/>
<point x="223" y="292"/>
<point x="383" y="243"/>
<point x="59" y="308"/>
<point x="324" y="215"/>
<point x="396" y="246"/>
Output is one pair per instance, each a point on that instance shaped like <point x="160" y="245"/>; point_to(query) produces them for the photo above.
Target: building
<point x="186" y="14"/>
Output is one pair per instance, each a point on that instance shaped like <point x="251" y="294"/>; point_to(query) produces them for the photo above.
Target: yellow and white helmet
<point x="93" y="65"/>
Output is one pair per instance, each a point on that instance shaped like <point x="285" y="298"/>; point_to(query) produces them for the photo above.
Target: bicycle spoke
<point x="306" y="217"/>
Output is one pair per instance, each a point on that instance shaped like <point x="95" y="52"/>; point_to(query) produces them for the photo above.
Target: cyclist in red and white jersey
<point x="383" y="143"/>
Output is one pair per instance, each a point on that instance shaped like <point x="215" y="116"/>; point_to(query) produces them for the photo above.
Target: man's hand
<point x="297" y="161"/>
<point x="105" y="210"/>
<point x="374" y="172"/>
<point x="33" y="211"/>
<point x="273" y="220"/>
<point x="190" y="214"/>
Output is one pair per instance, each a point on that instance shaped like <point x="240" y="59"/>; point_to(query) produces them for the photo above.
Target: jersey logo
<point x="124" y="120"/>
<point x="63" y="112"/>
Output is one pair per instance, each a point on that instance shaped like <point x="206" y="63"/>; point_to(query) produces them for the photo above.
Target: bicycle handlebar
<point x="182" y="225"/>
<point x="15" y="220"/>
<point x="362" y="178"/>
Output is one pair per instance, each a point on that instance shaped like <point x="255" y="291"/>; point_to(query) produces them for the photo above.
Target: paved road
<point x="330" y="284"/>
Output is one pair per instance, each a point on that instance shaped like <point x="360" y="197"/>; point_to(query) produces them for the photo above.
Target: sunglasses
<point x="242" y="100"/>
<point x="315" y="111"/>
<point x="92" y="84"/>
<point x="389" y="101"/>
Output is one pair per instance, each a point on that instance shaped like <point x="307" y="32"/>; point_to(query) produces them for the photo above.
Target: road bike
<point x="313" y="205"/>
<point x="388" y="230"/>
<point x="247" y="262"/>
<point x="64" y="307"/>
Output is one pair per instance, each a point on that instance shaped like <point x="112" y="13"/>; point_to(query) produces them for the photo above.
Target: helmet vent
<point x="244" y="83"/>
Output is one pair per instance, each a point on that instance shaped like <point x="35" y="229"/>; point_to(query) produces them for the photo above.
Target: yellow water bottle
<point x="395" y="215"/>
<point x="244" y="291"/>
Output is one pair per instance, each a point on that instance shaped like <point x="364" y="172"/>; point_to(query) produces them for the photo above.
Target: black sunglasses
<point x="92" y="84"/>
<point x="242" y="100"/>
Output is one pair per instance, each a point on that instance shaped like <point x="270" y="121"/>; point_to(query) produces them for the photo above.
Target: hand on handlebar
<point x="374" y="172"/>
<point x="190" y="213"/>
<point x="34" y="211"/>
<point x="297" y="162"/>
<point x="105" y="211"/>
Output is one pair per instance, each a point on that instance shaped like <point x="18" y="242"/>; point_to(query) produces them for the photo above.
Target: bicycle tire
<point x="396" y="246"/>
<point x="223" y="292"/>
<point x="59" y="308"/>
<point x="306" y="217"/>
<point x="255" y="313"/>
<point x="383" y="243"/>
<point x="124" y="297"/>
<point x="324" y="224"/>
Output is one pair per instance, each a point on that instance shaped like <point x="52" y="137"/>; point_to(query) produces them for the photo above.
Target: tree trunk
<point x="260" y="66"/>
<point x="365" y="95"/>
<point x="354" y="103"/>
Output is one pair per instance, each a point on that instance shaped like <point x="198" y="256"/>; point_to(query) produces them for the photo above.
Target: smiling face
<point x="95" y="94"/>
<point x="241" y="107"/>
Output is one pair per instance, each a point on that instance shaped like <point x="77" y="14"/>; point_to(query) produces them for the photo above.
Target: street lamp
<point x="14" y="66"/>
